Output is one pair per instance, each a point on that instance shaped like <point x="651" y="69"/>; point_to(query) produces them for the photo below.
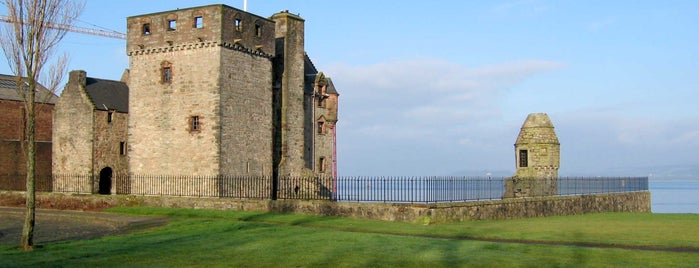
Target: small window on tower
<point x="258" y="30"/>
<point x="321" y="127"/>
<point x="198" y="22"/>
<point x="110" y="116"/>
<point x="194" y="123"/>
<point x="321" y="165"/>
<point x="238" y="25"/>
<point x="171" y="25"/>
<point x="146" y="29"/>
<point x="167" y="74"/>
<point x="122" y="148"/>
<point x="523" y="158"/>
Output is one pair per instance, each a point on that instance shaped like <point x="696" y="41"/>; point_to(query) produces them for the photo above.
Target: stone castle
<point x="210" y="91"/>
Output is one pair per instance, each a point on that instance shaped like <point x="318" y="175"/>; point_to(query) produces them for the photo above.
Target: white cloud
<point x="434" y="109"/>
<point x="412" y="94"/>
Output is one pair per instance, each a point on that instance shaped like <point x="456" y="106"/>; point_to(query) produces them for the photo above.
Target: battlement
<point x="196" y="27"/>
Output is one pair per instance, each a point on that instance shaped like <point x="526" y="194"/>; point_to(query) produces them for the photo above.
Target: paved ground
<point x="63" y="225"/>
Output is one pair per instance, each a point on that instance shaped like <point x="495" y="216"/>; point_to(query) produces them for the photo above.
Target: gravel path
<point x="64" y="225"/>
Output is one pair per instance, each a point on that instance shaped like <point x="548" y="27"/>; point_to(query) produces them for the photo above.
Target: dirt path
<point x="64" y="225"/>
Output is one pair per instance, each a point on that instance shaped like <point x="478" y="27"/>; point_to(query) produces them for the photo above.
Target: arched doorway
<point x="105" y="183"/>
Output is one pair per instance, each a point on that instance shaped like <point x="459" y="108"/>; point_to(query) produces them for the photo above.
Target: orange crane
<point x="76" y="29"/>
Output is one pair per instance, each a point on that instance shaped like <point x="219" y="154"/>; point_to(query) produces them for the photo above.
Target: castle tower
<point x="201" y="91"/>
<point x="292" y="146"/>
<point x="537" y="157"/>
<point x="324" y="129"/>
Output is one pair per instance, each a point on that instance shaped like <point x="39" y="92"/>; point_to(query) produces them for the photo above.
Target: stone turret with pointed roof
<point x="537" y="154"/>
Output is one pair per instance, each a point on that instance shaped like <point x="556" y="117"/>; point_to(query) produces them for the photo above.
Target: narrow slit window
<point x="523" y="158"/>
<point x="195" y="123"/>
<point x="198" y="22"/>
<point x="172" y="25"/>
<point x="110" y="117"/>
<point x="146" y="29"/>
<point x="122" y="148"/>
<point x="321" y="164"/>
<point x="258" y="30"/>
<point x="321" y="127"/>
<point x="167" y="74"/>
<point x="238" y="23"/>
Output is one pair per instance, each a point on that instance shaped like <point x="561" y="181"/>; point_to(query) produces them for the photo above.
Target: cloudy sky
<point x="442" y="87"/>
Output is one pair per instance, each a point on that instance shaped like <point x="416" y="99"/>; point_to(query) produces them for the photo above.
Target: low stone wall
<point x="417" y="213"/>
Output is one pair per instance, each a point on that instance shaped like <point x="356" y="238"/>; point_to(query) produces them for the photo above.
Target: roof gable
<point x="8" y="91"/>
<point x="108" y="94"/>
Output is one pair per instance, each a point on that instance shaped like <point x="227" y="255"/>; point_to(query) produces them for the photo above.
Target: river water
<point x="674" y="195"/>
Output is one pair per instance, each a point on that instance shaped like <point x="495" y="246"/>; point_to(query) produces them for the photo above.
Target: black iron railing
<point x="459" y="189"/>
<point x="342" y="189"/>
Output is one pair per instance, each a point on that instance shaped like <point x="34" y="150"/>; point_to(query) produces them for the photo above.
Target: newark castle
<point x="210" y="91"/>
<point x="218" y="102"/>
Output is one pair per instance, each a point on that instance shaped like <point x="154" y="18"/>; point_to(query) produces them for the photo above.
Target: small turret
<point x="537" y="156"/>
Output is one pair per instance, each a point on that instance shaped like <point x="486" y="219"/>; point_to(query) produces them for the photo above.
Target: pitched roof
<point x="108" y="94"/>
<point x="330" y="89"/>
<point x="8" y="91"/>
<point x="308" y="67"/>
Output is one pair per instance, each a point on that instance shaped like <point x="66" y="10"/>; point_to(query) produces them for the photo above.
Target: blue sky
<point x="442" y="87"/>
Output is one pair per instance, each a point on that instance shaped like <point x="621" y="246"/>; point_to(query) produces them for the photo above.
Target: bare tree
<point x="29" y="42"/>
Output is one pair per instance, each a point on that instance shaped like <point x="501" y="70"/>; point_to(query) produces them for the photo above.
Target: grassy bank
<point x="248" y="239"/>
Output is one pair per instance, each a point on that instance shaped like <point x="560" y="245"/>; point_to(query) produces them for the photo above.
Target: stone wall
<point x="108" y="139"/>
<point x="218" y="25"/>
<point x="416" y="213"/>
<point x="221" y="74"/>
<point x="290" y="29"/>
<point x="161" y="141"/>
<point x="246" y="114"/>
<point x="73" y="131"/>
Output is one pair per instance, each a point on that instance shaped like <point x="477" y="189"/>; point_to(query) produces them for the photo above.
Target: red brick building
<point x="12" y="133"/>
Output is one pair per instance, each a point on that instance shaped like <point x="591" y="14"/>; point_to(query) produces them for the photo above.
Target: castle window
<point x="321" y="165"/>
<point x="238" y="23"/>
<point x="166" y="72"/>
<point x="321" y="127"/>
<point x="258" y="30"/>
<point x="171" y="25"/>
<point x="122" y="148"/>
<point x="523" y="158"/>
<point x="110" y="116"/>
<point x="198" y="22"/>
<point x="146" y="28"/>
<point x="194" y="123"/>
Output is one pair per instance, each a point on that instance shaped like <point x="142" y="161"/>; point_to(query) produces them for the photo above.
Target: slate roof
<point x="8" y="91"/>
<point x="308" y="67"/>
<point x="330" y="89"/>
<point x="108" y="94"/>
<point x="310" y="72"/>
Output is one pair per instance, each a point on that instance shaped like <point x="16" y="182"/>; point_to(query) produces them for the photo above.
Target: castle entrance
<point x="105" y="182"/>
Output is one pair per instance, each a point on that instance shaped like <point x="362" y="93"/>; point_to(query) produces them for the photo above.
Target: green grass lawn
<point x="249" y="239"/>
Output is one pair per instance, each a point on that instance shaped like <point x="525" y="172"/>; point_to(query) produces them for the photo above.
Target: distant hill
<point x="658" y="172"/>
<point x="483" y="173"/>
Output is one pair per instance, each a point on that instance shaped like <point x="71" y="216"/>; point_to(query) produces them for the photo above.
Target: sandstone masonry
<point x="90" y="122"/>
<point x="537" y="156"/>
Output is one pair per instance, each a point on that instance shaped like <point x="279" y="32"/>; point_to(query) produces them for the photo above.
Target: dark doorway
<point x="105" y="183"/>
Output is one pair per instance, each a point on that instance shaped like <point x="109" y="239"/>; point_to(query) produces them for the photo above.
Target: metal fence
<point x="460" y="189"/>
<point x="342" y="189"/>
